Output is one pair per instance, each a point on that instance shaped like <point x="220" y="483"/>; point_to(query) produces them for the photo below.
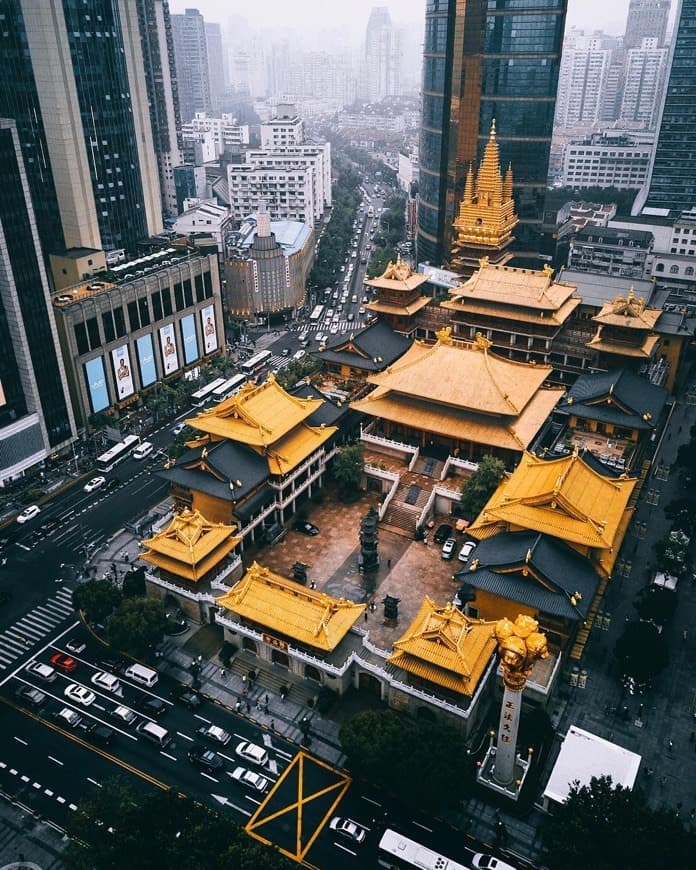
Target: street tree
<point x="136" y="625"/>
<point x="294" y="371"/>
<point x="672" y="552"/>
<point x="604" y="827"/>
<point x="642" y="651"/>
<point x="347" y="471"/>
<point x="657" y="604"/>
<point x="97" y="599"/>
<point x="477" y="489"/>
<point x="149" y="829"/>
<point x="682" y="512"/>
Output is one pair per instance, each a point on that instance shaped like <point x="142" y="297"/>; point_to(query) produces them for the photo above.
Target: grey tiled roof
<point x="632" y="391"/>
<point x="230" y="460"/>
<point x="376" y="341"/>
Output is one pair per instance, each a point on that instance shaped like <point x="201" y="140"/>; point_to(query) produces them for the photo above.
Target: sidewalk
<point x="26" y="842"/>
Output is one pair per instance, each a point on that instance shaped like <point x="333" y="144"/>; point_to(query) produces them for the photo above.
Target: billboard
<point x="120" y="358"/>
<point x="210" y="341"/>
<point x="96" y="384"/>
<point x="170" y="356"/>
<point x="188" y="334"/>
<point x="146" y="360"/>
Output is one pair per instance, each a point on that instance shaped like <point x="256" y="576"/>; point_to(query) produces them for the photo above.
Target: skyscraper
<point x="382" y="61"/>
<point x="484" y="61"/>
<point x="672" y="179"/>
<point x="646" y="19"/>
<point x="162" y="94"/>
<point x="216" y="65"/>
<point x="191" y="57"/>
<point x="584" y="87"/>
<point x="35" y="414"/>
<point x="77" y="92"/>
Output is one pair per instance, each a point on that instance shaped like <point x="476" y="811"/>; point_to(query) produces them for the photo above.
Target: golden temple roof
<point x="296" y="446"/>
<point x="629" y="313"/>
<point x="398" y="276"/>
<point x="445" y="647"/>
<point x="608" y="344"/>
<point x="460" y="375"/>
<point x="257" y="415"/>
<point x="289" y="609"/>
<point x="382" y="307"/>
<point x="190" y="546"/>
<point x="564" y="498"/>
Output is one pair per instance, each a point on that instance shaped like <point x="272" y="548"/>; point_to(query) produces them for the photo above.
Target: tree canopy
<point x="149" y="830"/>
<point x="642" y="651"/>
<point x="136" y="625"/>
<point x="97" y="599"/>
<point x="606" y="827"/>
<point x="347" y="470"/>
<point x="477" y="489"/>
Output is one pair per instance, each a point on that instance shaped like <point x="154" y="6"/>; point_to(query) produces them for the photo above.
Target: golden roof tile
<point x="398" y="276"/>
<point x="280" y="605"/>
<point x="257" y="415"/>
<point x="513" y="311"/>
<point x="381" y="307"/>
<point x="606" y="344"/>
<point x="287" y="453"/>
<point x="446" y="647"/>
<point x="630" y="312"/>
<point x="512" y="286"/>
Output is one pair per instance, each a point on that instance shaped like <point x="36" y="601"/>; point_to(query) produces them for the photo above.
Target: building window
<point x="188" y="293"/>
<point x="178" y="297"/>
<point x="674" y="270"/>
<point x="167" y="301"/>
<point x="660" y="267"/>
<point x="93" y="333"/>
<point x="133" y="316"/>
<point x="157" y="304"/>
<point x="689" y="270"/>
<point x="120" y="322"/>
<point x="81" y="338"/>
<point x="108" y="324"/>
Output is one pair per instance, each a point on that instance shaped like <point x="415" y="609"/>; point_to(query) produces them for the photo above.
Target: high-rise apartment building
<point x="382" y="59"/>
<point x="77" y="92"/>
<point x="486" y="61"/>
<point x="35" y="414"/>
<point x="162" y="94"/>
<point x="191" y="57"/>
<point x="586" y="93"/>
<point x="646" y="19"/>
<point x="642" y="84"/>
<point x="216" y="64"/>
<point x="671" y="183"/>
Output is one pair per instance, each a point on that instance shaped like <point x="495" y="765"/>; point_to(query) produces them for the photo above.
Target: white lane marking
<point x="430" y="830"/>
<point x="207" y="776"/>
<point x="56" y="760"/>
<point x="73" y="807"/>
<point x="24" y="778"/>
<point x="202" y="718"/>
<point x="48" y="792"/>
<point x="2" y="765"/>
<point x="38" y="652"/>
<point x="36" y="784"/>
<point x="61" y="800"/>
<point x="341" y="846"/>
<point x="13" y="771"/>
<point x="369" y="800"/>
<point x="167" y="755"/>
<point x="185" y="736"/>
<point x="19" y="740"/>
<point x="94" y="782"/>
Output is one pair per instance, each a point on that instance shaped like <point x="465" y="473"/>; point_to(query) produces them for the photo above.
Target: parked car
<point x="448" y="548"/>
<point x="29" y="513"/>
<point x="153" y="707"/>
<point x="251" y="752"/>
<point x="30" y="696"/>
<point x="67" y="717"/>
<point x="489" y="862"/>
<point x="108" y="682"/>
<point x="306" y="528"/>
<point x="64" y="663"/>
<point x="124" y="715"/>
<point x="75" y="645"/>
<point x="348" y="828"/>
<point x="251" y="779"/>
<point x="187" y="698"/>
<point x="100" y="735"/>
<point x="179" y="428"/>
<point x="94" y="483"/>
<point x="79" y="694"/>
<point x="112" y="483"/>
<point x="41" y="671"/>
<point x="467" y="549"/>
<point x="215" y="734"/>
<point x="205" y="758"/>
<point x="112" y="664"/>
<point x="443" y="532"/>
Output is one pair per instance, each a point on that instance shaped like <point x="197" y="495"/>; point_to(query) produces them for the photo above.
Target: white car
<point x="124" y="715"/>
<point x="94" y="483"/>
<point x="250" y="778"/>
<point x="179" y="428"/>
<point x="106" y="681"/>
<point x="29" y="513"/>
<point x="334" y="329"/>
<point x="467" y="549"/>
<point x="215" y="734"/>
<point x="489" y="862"/>
<point x="252" y="752"/>
<point x="348" y="828"/>
<point x="79" y="694"/>
<point x="361" y="310"/>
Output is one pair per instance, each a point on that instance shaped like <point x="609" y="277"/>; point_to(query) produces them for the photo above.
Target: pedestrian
<point x="244" y="678"/>
<point x="692" y="814"/>
<point x="272" y="725"/>
<point x="238" y="706"/>
<point x="366" y="616"/>
<point x="222" y="674"/>
<point x="670" y="745"/>
<point x="265" y="708"/>
<point x="244" y="691"/>
<point x="265" y="699"/>
<point x="389" y="564"/>
<point x="650" y="771"/>
<point x="248" y="707"/>
<point x="685" y="634"/>
<point x="200" y="659"/>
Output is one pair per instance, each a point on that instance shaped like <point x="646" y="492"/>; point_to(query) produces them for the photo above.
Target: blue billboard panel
<point x="96" y="384"/>
<point x="146" y="360"/>
<point x="188" y="334"/>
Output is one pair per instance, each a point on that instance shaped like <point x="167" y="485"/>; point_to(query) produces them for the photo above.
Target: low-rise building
<point x="204" y="217"/>
<point x="371" y="349"/>
<point x="602" y="160"/>
<point x="225" y="131"/>
<point x="613" y="251"/>
<point x="289" y="192"/>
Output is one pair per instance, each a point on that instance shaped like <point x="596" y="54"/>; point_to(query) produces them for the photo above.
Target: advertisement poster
<point x="146" y="360"/>
<point x="123" y="372"/>
<point x="96" y="384"/>
<point x="188" y="334"/>
<point x="209" y="331"/>
<point x="170" y="357"/>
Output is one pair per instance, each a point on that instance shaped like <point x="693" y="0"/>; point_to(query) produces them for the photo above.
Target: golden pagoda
<point x="625" y="333"/>
<point x="566" y="499"/>
<point x="486" y="216"/>
<point x="290" y="610"/>
<point x="445" y="647"/>
<point x="397" y="296"/>
<point x="190" y="548"/>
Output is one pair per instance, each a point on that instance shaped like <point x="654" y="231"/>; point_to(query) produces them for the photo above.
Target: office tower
<point x="382" y="59"/>
<point x="585" y="92"/>
<point x="484" y="61"/>
<point x="162" y="94"/>
<point x="35" y="414"/>
<point x="77" y="92"/>
<point x="642" y="83"/>
<point x="646" y="19"/>
<point x="672" y="180"/>
<point x="216" y="65"/>
<point x="191" y="58"/>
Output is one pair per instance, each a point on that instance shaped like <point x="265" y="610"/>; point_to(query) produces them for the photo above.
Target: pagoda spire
<point x="489" y="184"/>
<point x="507" y="185"/>
<point x="469" y="186"/>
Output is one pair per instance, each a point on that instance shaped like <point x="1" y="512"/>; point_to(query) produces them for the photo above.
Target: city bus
<point x="205" y="394"/>
<point x="229" y="388"/>
<point x="396" y="852"/>
<point x="256" y="362"/>
<point x="117" y="453"/>
<point x="316" y="314"/>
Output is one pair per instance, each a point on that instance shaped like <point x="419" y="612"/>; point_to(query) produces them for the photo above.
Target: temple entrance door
<point x="370" y="683"/>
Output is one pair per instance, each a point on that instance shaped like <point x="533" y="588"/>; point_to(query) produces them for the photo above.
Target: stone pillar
<point x="508" y="727"/>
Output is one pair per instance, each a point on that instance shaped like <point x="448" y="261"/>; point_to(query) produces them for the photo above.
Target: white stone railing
<point x="389" y="496"/>
<point x="414" y="459"/>
<point x="180" y="590"/>
<point x="426" y="509"/>
<point x="457" y="463"/>
<point x="452" y="494"/>
<point x="381" y="441"/>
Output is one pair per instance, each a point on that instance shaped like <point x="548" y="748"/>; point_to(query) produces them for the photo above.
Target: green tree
<point x="294" y="371"/>
<point x="477" y="489"/>
<point x="152" y="829"/>
<point x="672" y="553"/>
<point x="136" y="625"/>
<point x="97" y="599"/>
<point x="642" y="651"/>
<point x="387" y="748"/>
<point x="347" y="471"/>
<point x="606" y="827"/>
<point x="657" y="604"/>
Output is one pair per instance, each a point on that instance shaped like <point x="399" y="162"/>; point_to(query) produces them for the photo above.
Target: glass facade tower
<point x="486" y="60"/>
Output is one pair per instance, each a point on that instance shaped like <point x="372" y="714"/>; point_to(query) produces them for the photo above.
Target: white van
<point x="143" y="450"/>
<point x="299" y="354"/>
<point x="154" y="733"/>
<point x="141" y="674"/>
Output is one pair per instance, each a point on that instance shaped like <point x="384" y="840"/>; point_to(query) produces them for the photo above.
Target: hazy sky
<point x="608" y="15"/>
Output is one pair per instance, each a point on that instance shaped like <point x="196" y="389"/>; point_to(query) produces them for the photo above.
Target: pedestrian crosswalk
<point x="34" y="626"/>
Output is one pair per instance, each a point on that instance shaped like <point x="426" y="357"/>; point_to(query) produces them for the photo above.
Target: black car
<point x="112" y="483"/>
<point x="153" y="707"/>
<point x="113" y="665"/>
<point x="443" y="532"/>
<point x="205" y="758"/>
<point x="306" y="528"/>
<point x="30" y="696"/>
<point x="99" y="735"/>
<point x="187" y="698"/>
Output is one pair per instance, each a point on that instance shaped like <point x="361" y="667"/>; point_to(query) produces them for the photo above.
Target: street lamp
<point x="233" y="484"/>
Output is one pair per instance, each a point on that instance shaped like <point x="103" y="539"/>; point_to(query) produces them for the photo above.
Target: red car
<point x="63" y="662"/>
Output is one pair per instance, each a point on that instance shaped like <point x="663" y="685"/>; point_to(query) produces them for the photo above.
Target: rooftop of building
<point x="372" y="348"/>
<point x="629" y="312"/>
<point x="292" y="236"/>
<point x="78" y="253"/>
<point x="398" y="276"/>
<point x="611" y="234"/>
<point x="595" y="289"/>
